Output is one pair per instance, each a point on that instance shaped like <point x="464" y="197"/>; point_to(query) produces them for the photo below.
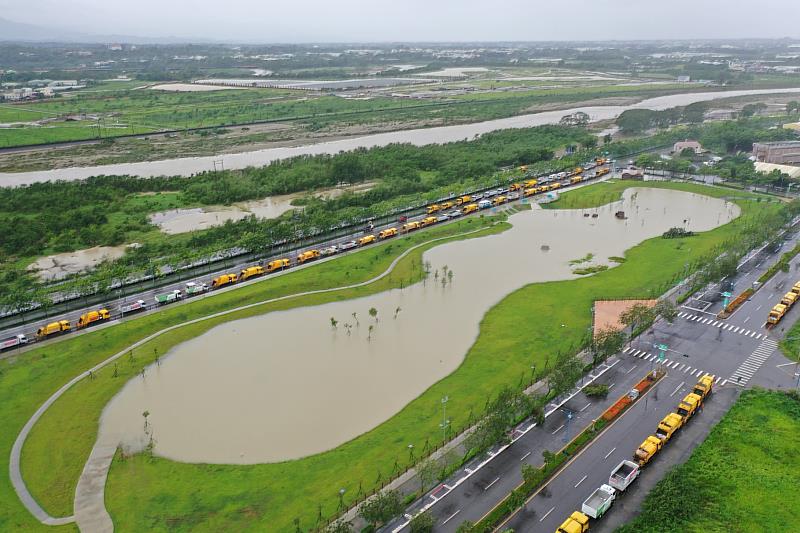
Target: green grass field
<point x="148" y="493"/>
<point x="743" y="478"/>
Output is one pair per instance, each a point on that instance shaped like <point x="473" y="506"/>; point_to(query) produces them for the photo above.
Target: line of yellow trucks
<point x="627" y="471"/>
<point x="463" y="205"/>
<point x="777" y="313"/>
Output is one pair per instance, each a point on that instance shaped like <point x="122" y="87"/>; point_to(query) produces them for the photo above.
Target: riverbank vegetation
<point x="739" y="480"/>
<point x="298" y="489"/>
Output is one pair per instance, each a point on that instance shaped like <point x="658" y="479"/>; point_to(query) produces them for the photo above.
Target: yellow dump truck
<point x="433" y="208"/>
<point x="499" y="200"/>
<point x="796" y="288"/>
<point x="576" y="179"/>
<point x="471" y="208"/>
<point x="387" y="233"/>
<point x="576" y="523"/>
<point x="556" y="185"/>
<point x="515" y="187"/>
<point x="411" y="226"/>
<point x="530" y="191"/>
<point x="704" y="386"/>
<point x="647" y="450"/>
<point x="251" y="272"/>
<point x="93" y="316"/>
<point x="600" y="160"/>
<point x="225" y="279"/>
<point x="668" y="426"/>
<point x="602" y="172"/>
<point x="447" y="205"/>
<point x="789" y="299"/>
<point x="278" y="264"/>
<point x="689" y="406"/>
<point x="576" y="171"/>
<point x="428" y="221"/>
<point x="308" y="255"/>
<point x="365" y="240"/>
<point x="530" y="183"/>
<point x="53" y="328"/>
<point x="776" y="314"/>
<point x="463" y="199"/>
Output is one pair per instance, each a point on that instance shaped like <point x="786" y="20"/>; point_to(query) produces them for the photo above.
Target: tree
<point x="340" y="526"/>
<point x="636" y="316"/>
<point x="666" y="310"/>
<point x="567" y="369"/>
<point x="607" y="342"/>
<point x="422" y="523"/>
<point x="793" y="106"/>
<point x="607" y="138"/>
<point x="373" y="313"/>
<point x="466" y="526"/>
<point x="427" y="471"/>
<point x="381" y="508"/>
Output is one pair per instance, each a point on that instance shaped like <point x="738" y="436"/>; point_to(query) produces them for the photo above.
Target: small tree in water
<point x="369" y="333"/>
<point x="334" y="323"/>
<point x="397" y="311"/>
<point x="373" y="313"/>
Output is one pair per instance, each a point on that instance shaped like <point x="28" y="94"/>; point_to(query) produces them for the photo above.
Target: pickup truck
<point x="647" y="450"/>
<point x="668" y="426"/>
<point x="623" y="475"/>
<point x="599" y="501"/>
<point x="576" y="523"/>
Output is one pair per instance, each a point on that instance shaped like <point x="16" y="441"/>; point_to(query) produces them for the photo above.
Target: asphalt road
<point x="738" y="351"/>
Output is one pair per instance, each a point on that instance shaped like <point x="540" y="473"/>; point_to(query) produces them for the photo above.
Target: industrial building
<point x="780" y="153"/>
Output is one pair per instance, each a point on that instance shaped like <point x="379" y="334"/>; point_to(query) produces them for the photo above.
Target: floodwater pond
<point x="197" y="218"/>
<point x="286" y="384"/>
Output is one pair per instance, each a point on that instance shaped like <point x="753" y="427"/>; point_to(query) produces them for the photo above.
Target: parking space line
<point x="610" y="452"/>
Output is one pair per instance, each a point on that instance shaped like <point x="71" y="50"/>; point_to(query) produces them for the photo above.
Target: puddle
<point x="286" y="384"/>
<point x="189" y="219"/>
<point x="58" y="266"/>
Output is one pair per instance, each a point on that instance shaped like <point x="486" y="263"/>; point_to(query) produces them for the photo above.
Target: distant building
<point x="719" y="114"/>
<point x="684" y="79"/>
<point x="780" y="153"/>
<point x="766" y="168"/>
<point x="795" y="126"/>
<point x="680" y="146"/>
<point x="115" y="47"/>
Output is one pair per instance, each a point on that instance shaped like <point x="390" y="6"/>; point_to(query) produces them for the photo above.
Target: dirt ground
<point x="607" y="313"/>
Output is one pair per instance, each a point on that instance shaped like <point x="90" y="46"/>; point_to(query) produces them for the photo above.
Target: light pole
<point x="533" y="373"/>
<point x="445" y="421"/>
<point x="411" y="453"/>
<point x="566" y="430"/>
<point x="341" y="499"/>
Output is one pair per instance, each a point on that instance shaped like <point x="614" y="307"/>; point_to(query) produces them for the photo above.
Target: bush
<point x="596" y="391"/>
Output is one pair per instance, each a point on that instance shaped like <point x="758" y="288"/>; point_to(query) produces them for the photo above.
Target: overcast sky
<point x="415" y="20"/>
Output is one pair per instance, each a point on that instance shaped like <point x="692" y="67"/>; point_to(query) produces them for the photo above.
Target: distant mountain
<point x="21" y="32"/>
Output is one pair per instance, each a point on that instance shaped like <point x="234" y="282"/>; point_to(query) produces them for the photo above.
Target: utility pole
<point x="445" y="422"/>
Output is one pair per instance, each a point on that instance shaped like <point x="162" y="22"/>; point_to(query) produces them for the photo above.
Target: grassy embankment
<point x="151" y="493"/>
<point x="736" y="480"/>
<point x="50" y="468"/>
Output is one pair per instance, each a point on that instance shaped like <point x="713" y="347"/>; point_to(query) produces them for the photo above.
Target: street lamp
<point x="445" y="421"/>
<point x="341" y="499"/>
<point x="411" y="452"/>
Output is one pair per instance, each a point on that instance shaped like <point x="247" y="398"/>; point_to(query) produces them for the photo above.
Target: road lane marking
<point x="525" y="456"/>
<point x="581" y="481"/>
<point x="451" y="517"/>
<point x="745" y="320"/>
<point x="547" y="514"/>
<point x="677" y="389"/>
<point x="631" y="370"/>
<point x="492" y="483"/>
<point x="585" y="407"/>
<point x="610" y="452"/>
<point x="609" y="387"/>
<point x="758" y="308"/>
<point x="557" y="429"/>
<point x="753" y="334"/>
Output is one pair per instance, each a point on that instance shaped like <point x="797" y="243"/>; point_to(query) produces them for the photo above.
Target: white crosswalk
<point x="678" y="366"/>
<point x="710" y="321"/>
<point x="754" y="361"/>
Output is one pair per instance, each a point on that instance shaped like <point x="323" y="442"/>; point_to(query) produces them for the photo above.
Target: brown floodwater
<point x="287" y="384"/>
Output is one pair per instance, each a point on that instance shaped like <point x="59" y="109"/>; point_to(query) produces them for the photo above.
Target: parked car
<point x="454" y="214"/>
<point x="443" y="218"/>
<point x="349" y="245"/>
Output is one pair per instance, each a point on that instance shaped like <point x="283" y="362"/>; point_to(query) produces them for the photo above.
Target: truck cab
<point x="689" y="406"/>
<point x="470" y="208"/>
<point x="647" y="450"/>
<point x="278" y="264"/>
<point x="576" y="523"/>
<point x="776" y="314"/>
<point x="704" y="386"/>
<point x="433" y="208"/>
<point x="789" y="299"/>
<point x="500" y="200"/>
<point x="668" y="426"/>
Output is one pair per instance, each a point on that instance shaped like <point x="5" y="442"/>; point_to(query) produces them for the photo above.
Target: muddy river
<point x="287" y="384"/>
<point x="192" y="165"/>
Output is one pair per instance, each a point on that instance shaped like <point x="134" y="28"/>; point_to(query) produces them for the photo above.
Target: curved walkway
<point x="90" y="511"/>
